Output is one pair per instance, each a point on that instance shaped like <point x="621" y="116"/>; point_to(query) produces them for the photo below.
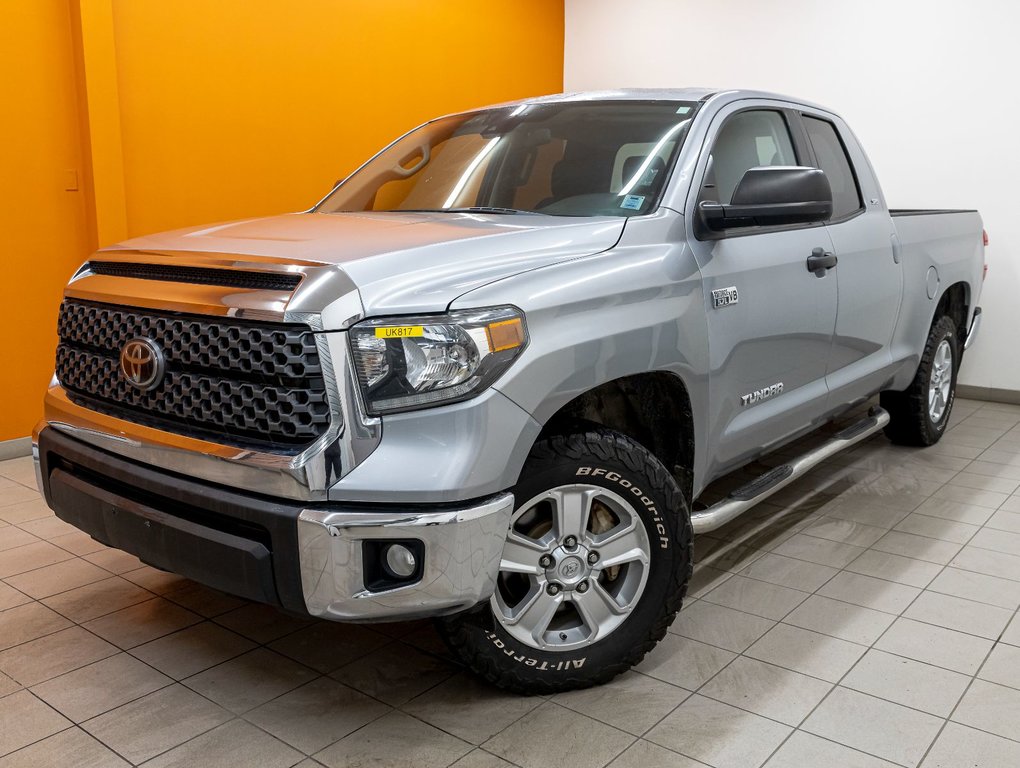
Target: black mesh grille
<point x="232" y="278"/>
<point x="243" y="383"/>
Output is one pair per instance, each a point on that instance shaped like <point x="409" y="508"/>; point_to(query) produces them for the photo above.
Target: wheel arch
<point x="652" y="408"/>
<point x="955" y="302"/>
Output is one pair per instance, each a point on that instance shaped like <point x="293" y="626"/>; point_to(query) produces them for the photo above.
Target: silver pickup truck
<point x="489" y="376"/>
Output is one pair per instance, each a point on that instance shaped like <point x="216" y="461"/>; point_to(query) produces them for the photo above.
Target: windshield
<point x="583" y="158"/>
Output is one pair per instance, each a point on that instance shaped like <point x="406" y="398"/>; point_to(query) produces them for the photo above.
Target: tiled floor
<point x="872" y="624"/>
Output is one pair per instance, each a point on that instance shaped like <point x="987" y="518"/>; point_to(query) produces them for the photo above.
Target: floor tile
<point x="47" y="527"/>
<point x="395" y="673"/>
<point x="631" y="702"/>
<point x="821" y="551"/>
<point x="788" y="572"/>
<point x="230" y="745"/>
<point x="202" y="600"/>
<point x="720" y="626"/>
<point x="315" y="715"/>
<point x="992" y="708"/>
<point x="936" y="528"/>
<point x="29" y="506"/>
<point x="684" y="662"/>
<point x="1002" y="666"/>
<point x="845" y="531"/>
<point x="10" y="597"/>
<point x="902" y="570"/>
<point x="978" y="587"/>
<point x="955" y="511"/>
<point x="644" y="754"/>
<point x="70" y="747"/>
<point x="261" y="623"/>
<point x="718" y="734"/>
<point x="142" y="622"/>
<point x="13" y="537"/>
<point x="989" y="499"/>
<point x="156" y="581"/>
<point x="839" y="619"/>
<point x="874" y="726"/>
<point x="944" y="648"/>
<point x="552" y="735"/>
<point x="100" y="687"/>
<point x="805" y="750"/>
<point x="1003" y="520"/>
<point x="1012" y="633"/>
<point x="479" y="758"/>
<point x="53" y="655"/>
<point x="870" y="592"/>
<point x="97" y="599"/>
<point x="995" y="540"/>
<point x="189" y="651"/>
<point x="959" y="745"/>
<point x="766" y="690"/>
<point x="982" y="482"/>
<point x="395" y="740"/>
<point x="26" y="719"/>
<point x="326" y="646"/>
<point x="155" y="723"/>
<point x="959" y="614"/>
<point x="246" y="682"/>
<point x="705" y="579"/>
<point x="917" y="547"/>
<point x="470" y="709"/>
<point x="904" y="681"/>
<point x="8" y="685"/>
<point x="988" y="562"/>
<point x="810" y="653"/>
<point x="756" y="597"/>
<point x="77" y="543"/>
<point x="27" y="622"/>
<point x="28" y="557"/>
<point x="989" y="469"/>
<point x="59" y="577"/>
<point x="114" y="560"/>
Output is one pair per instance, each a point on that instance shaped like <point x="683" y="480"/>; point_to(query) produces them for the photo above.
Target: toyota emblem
<point x="142" y="363"/>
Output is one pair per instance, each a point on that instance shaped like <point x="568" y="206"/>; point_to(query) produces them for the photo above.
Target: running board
<point x="745" y="497"/>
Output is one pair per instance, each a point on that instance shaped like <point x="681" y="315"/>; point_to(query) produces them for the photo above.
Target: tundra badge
<point x="762" y="394"/>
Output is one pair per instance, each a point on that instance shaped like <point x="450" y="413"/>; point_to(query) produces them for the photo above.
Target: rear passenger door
<point x="770" y="320"/>
<point x="868" y="275"/>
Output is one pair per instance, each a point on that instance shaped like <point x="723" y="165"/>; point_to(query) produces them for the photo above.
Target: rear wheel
<point x="919" y="414"/>
<point x="594" y="568"/>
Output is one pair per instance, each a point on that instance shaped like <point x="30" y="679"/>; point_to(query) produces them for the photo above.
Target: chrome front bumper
<point x="462" y="553"/>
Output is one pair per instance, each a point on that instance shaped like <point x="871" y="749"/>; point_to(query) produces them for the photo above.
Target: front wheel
<point x="919" y="415"/>
<point x="594" y="568"/>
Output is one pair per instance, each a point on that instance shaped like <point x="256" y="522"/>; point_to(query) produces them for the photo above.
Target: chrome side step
<point x="745" y="497"/>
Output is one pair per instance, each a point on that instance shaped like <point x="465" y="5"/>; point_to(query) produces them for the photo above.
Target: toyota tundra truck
<point x="490" y="375"/>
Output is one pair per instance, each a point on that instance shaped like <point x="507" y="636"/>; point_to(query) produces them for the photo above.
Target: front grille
<point x="231" y="278"/>
<point x="244" y="383"/>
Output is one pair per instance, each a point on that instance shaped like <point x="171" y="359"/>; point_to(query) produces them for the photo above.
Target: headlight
<point x="405" y="363"/>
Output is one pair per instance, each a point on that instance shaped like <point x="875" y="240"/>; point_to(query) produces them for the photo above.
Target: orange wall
<point x="237" y="108"/>
<point x="42" y="224"/>
<point x="194" y="111"/>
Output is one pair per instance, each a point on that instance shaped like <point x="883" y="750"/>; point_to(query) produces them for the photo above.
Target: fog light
<point x="400" y="561"/>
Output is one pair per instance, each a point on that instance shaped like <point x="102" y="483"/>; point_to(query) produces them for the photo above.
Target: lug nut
<point x="570" y="542"/>
<point x="582" y="587"/>
<point x="593" y="557"/>
<point x="545" y="561"/>
<point x="553" y="589"/>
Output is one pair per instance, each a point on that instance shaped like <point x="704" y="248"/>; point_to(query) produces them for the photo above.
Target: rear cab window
<point x="831" y="156"/>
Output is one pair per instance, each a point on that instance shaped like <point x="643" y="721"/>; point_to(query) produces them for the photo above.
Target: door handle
<point x="821" y="261"/>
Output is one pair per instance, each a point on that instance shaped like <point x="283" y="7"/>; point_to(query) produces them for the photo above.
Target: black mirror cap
<point x="773" y="196"/>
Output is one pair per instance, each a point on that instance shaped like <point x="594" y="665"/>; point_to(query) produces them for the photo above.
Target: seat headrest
<point x="652" y="174"/>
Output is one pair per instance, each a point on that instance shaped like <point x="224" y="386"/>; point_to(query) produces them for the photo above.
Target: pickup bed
<point x="488" y="377"/>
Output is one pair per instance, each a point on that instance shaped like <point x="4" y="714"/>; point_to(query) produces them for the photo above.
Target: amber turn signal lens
<point x="505" y="334"/>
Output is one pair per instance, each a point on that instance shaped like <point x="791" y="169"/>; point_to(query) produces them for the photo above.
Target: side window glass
<point x="832" y="158"/>
<point x="747" y="140"/>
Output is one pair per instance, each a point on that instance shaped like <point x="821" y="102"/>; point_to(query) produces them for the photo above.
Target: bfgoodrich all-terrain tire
<point x="919" y="414"/>
<point x="594" y="568"/>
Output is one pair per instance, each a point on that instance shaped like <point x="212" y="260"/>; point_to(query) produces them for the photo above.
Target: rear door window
<point x="832" y="158"/>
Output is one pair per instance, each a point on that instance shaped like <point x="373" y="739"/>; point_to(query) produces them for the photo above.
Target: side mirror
<point x="770" y="196"/>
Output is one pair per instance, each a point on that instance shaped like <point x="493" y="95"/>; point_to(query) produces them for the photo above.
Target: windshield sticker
<point x="633" y="202"/>
<point x="683" y="110"/>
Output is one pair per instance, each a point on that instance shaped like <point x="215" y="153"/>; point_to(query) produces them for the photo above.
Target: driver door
<point x="770" y="320"/>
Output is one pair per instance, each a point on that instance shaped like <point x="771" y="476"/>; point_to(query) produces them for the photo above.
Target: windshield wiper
<point x="469" y="209"/>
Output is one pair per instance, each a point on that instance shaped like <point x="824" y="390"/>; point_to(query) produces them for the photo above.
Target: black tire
<point x="910" y="419"/>
<point x="628" y="470"/>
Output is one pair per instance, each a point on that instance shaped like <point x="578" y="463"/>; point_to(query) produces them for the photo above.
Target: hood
<point x="401" y="263"/>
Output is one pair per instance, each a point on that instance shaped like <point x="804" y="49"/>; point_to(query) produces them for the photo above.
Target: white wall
<point x="932" y="90"/>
